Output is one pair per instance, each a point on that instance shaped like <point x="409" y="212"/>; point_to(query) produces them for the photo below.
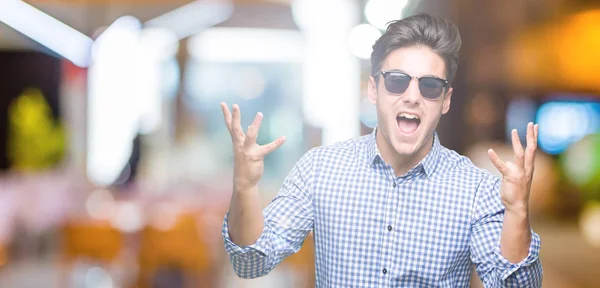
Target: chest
<point x="415" y="224"/>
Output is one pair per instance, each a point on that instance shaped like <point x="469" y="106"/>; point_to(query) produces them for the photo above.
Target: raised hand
<point x="517" y="175"/>
<point x="248" y="155"/>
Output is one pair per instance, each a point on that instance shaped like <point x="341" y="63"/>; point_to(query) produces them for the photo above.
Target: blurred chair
<point x="303" y="262"/>
<point x="179" y="248"/>
<point x="91" y="240"/>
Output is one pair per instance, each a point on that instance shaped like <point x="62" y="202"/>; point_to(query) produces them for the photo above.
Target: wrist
<point x="520" y="211"/>
<point x="244" y="187"/>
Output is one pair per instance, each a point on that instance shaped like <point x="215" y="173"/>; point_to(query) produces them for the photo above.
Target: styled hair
<point x="439" y="34"/>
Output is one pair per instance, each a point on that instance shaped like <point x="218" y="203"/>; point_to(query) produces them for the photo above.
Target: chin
<point x="405" y="148"/>
<point x="411" y="143"/>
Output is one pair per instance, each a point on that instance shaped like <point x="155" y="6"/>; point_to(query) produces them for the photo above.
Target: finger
<point x="535" y="135"/>
<point x="530" y="150"/>
<point x="226" y="116"/>
<point x="253" y="129"/>
<point x="517" y="148"/>
<point x="530" y="135"/>
<point x="268" y="148"/>
<point x="500" y="165"/>
<point x="236" y="126"/>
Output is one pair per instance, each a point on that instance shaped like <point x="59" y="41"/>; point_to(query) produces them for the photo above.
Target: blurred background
<point x="116" y="168"/>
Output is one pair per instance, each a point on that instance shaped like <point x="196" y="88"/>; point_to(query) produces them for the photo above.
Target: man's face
<point x="408" y="136"/>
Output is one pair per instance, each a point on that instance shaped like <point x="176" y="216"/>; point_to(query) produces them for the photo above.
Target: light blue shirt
<point x="372" y="229"/>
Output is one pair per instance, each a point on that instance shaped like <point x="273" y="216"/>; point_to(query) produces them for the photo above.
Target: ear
<point x="372" y="90"/>
<point x="447" y="98"/>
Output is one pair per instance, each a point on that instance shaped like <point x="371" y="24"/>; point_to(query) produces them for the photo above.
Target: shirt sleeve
<point x="493" y="269"/>
<point x="288" y="220"/>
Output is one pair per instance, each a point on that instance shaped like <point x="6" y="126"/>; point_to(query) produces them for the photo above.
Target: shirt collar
<point x="428" y="164"/>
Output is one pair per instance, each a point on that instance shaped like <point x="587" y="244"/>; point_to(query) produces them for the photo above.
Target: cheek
<point x="384" y="111"/>
<point x="383" y="94"/>
<point x="381" y="113"/>
<point x="434" y="113"/>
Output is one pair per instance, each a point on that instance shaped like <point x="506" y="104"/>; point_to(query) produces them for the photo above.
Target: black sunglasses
<point x="397" y="82"/>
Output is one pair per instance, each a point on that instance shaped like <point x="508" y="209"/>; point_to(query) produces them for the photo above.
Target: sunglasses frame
<point x="385" y="73"/>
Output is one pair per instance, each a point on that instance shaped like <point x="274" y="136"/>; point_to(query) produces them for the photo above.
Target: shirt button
<point x="390" y="228"/>
<point x="384" y="271"/>
<point x="394" y="184"/>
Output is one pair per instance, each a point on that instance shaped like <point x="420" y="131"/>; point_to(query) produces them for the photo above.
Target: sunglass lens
<point x="431" y="88"/>
<point x="397" y="83"/>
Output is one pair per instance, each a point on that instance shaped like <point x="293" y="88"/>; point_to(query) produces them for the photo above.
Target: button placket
<point x="388" y="237"/>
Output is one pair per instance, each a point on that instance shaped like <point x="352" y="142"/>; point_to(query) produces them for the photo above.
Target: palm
<point x="248" y="163"/>
<point x="248" y="155"/>
<point x="517" y="175"/>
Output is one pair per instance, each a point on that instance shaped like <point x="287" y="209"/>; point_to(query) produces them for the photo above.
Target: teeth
<point x="408" y="116"/>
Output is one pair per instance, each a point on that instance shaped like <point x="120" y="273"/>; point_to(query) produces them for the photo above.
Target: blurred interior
<point x="116" y="168"/>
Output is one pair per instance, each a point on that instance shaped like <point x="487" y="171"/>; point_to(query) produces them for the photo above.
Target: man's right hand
<point x="248" y="155"/>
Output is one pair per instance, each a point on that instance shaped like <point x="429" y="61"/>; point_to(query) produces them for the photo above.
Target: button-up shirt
<point x="429" y="227"/>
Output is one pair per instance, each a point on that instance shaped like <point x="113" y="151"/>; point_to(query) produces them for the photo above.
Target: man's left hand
<point x="517" y="175"/>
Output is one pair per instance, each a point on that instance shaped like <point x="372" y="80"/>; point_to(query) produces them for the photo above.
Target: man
<point x="394" y="208"/>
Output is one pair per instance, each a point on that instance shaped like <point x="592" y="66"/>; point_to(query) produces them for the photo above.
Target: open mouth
<point x="408" y="123"/>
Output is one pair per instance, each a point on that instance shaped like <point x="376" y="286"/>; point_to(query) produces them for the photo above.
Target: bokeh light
<point x="97" y="277"/>
<point x="563" y="123"/>
<point x="99" y="204"/>
<point x="361" y="40"/>
<point x="519" y="113"/>
<point x="581" y="165"/>
<point x="380" y="12"/>
<point x="164" y="216"/>
<point x="368" y="113"/>
<point x="250" y="83"/>
<point x="589" y="223"/>
<point x="483" y="109"/>
<point x="127" y="217"/>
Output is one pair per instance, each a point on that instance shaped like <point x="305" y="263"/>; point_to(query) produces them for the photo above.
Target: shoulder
<point x="480" y="186"/>
<point x="459" y="166"/>
<point x="340" y="152"/>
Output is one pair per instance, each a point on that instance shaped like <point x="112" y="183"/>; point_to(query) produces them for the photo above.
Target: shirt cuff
<point x="259" y="248"/>
<point x="507" y="268"/>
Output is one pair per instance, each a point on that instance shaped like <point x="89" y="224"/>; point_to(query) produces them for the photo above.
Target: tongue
<point x="407" y="126"/>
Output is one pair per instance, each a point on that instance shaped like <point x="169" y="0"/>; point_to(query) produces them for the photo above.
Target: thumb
<point x="268" y="148"/>
<point x="500" y="165"/>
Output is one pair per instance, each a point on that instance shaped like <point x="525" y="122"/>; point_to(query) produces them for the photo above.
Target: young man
<point x="394" y="208"/>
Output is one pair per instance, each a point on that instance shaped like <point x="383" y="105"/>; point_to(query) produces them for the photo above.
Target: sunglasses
<point x="397" y="82"/>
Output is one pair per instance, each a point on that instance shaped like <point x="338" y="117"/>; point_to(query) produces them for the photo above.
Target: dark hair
<point x="439" y="34"/>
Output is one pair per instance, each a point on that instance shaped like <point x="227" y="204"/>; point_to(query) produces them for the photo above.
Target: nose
<point x="412" y="95"/>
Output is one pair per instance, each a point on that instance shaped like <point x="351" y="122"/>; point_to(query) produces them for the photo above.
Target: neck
<point x="401" y="163"/>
